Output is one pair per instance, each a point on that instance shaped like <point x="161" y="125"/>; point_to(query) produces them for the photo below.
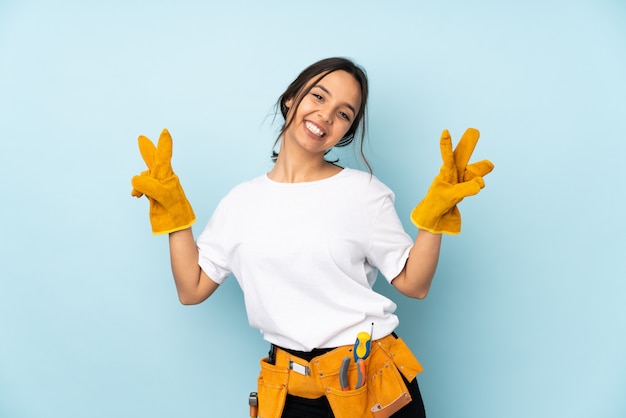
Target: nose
<point x="324" y="114"/>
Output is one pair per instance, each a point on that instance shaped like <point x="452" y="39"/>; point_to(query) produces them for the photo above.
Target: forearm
<point x="192" y="285"/>
<point x="416" y="277"/>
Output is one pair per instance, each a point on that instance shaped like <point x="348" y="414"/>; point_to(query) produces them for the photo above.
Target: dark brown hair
<point x="317" y="71"/>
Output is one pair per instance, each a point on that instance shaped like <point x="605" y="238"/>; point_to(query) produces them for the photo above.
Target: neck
<point x="293" y="167"/>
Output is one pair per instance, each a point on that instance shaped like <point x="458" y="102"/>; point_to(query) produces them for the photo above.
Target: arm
<point x="171" y="213"/>
<point x="192" y="283"/>
<point x="438" y="214"/>
<point x="417" y="275"/>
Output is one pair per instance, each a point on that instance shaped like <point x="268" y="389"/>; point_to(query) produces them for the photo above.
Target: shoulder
<point x="243" y="193"/>
<point x="250" y="186"/>
<point x="366" y="182"/>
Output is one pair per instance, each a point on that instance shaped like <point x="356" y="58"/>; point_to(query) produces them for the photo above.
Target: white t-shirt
<point x="307" y="254"/>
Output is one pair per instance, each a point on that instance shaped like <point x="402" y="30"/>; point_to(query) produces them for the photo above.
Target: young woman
<point x="306" y="241"/>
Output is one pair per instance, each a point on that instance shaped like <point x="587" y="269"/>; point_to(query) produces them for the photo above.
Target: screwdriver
<point x="362" y="347"/>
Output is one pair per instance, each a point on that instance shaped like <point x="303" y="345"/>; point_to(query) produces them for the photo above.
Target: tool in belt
<point x="381" y="393"/>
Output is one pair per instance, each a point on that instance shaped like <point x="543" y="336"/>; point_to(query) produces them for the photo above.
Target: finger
<point x="151" y="187"/>
<point x="464" y="149"/>
<point x="469" y="188"/>
<point x="447" y="170"/>
<point x="136" y="192"/>
<point x="479" y="169"/>
<point x="163" y="156"/>
<point x="148" y="150"/>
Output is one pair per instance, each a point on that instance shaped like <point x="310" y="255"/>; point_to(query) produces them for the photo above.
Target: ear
<point x="288" y="103"/>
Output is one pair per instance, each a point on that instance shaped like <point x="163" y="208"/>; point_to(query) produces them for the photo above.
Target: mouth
<point x="314" y="129"/>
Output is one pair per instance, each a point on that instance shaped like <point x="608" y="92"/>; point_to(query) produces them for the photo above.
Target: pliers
<point x="343" y="373"/>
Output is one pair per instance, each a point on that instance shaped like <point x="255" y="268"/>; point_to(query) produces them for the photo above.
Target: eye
<point x="317" y="96"/>
<point x="345" y="116"/>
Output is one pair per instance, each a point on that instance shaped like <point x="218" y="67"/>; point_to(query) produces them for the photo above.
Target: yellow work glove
<point x="438" y="212"/>
<point x="170" y="210"/>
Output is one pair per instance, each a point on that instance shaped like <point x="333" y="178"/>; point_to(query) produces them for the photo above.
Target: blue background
<point x="526" y="315"/>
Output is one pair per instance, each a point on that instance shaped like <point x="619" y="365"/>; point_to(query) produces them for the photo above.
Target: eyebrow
<point x="330" y="94"/>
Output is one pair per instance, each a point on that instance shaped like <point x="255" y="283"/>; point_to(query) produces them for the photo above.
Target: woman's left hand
<point x="438" y="212"/>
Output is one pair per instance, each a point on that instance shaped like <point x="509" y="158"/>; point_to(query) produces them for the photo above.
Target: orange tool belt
<point x="383" y="393"/>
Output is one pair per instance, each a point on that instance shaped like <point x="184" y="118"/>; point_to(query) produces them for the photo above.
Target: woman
<point x="306" y="241"/>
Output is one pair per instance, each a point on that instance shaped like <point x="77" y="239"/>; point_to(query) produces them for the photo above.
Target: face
<point x="325" y="114"/>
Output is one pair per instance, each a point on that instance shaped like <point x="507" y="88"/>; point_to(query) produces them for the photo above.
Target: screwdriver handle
<point x="362" y="346"/>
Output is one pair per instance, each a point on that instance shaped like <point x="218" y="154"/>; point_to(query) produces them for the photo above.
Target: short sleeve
<point x="212" y="246"/>
<point x="390" y="244"/>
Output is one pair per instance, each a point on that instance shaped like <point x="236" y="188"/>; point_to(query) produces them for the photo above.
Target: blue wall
<point x="526" y="315"/>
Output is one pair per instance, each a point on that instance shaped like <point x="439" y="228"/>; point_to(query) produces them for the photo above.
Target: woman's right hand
<point x="170" y="210"/>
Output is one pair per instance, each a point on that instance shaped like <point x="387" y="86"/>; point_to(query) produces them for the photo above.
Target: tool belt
<point x="383" y="393"/>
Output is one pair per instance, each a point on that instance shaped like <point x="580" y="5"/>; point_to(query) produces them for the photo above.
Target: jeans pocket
<point x="272" y="390"/>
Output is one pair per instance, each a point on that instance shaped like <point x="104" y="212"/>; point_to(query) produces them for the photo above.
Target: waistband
<point x="305" y="355"/>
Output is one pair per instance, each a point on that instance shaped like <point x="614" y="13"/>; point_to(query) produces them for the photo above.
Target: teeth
<point x="314" y="129"/>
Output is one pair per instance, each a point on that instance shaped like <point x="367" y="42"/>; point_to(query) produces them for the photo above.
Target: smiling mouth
<point x="314" y="129"/>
